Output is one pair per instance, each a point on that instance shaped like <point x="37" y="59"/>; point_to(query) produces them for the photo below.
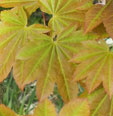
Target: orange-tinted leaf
<point x="84" y="4"/>
<point x="63" y="13"/>
<point x="5" y="111"/>
<point x="76" y="107"/>
<point x="108" y="18"/>
<point x="96" y="65"/>
<point x="13" y="35"/>
<point x="94" y="16"/>
<point x="46" y="60"/>
<point x="30" y="5"/>
<point x="45" y="108"/>
<point x="101" y="32"/>
<point x="100" y="104"/>
<point x="14" y="3"/>
<point x="91" y="20"/>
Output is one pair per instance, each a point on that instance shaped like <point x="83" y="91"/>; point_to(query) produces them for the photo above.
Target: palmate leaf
<point x="45" y="108"/>
<point x="94" y="16"/>
<point x="108" y="18"/>
<point x="96" y="65"/>
<point x="29" y="5"/>
<point x="64" y="12"/>
<point x="100" y="104"/>
<point x="84" y="4"/>
<point x="46" y="60"/>
<point x="14" y="32"/>
<point x="77" y="107"/>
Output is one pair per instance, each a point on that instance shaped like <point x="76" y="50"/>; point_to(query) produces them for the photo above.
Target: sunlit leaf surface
<point x="13" y="35"/>
<point x="94" y="16"/>
<point x="100" y="104"/>
<point x="96" y="65"/>
<point x="29" y="5"/>
<point x="45" y="108"/>
<point x="47" y="61"/>
<point x="64" y="12"/>
<point x="76" y="107"/>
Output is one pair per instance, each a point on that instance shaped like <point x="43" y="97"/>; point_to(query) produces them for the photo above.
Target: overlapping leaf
<point x="47" y="61"/>
<point x="76" y="107"/>
<point x="94" y="16"/>
<point x="30" y="5"/>
<point x="96" y="65"/>
<point x="101" y="31"/>
<point x="45" y="108"/>
<point x="100" y="104"/>
<point x="14" y="32"/>
<point x="63" y="12"/>
<point x="84" y="4"/>
<point x="108" y="18"/>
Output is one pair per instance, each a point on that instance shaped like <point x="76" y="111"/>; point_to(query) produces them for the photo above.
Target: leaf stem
<point x="44" y="18"/>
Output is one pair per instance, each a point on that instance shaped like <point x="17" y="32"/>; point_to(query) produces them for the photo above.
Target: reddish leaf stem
<point x="44" y="19"/>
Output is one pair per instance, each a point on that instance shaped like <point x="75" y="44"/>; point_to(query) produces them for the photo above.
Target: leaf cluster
<point x="70" y="50"/>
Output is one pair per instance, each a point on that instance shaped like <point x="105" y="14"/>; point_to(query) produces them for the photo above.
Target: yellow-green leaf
<point x="45" y="108"/>
<point x="77" y="107"/>
<point x="13" y="35"/>
<point x="5" y="111"/>
<point x="29" y="5"/>
<point x="46" y="60"/>
<point x="96" y="65"/>
<point x="100" y="104"/>
<point x="84" y="4"/>
<point x="63" y="13"/>
<point x="94" y="16"/>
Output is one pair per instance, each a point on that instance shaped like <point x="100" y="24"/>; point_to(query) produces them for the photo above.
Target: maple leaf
<point x="84" y="4"/>
<point x="46" y="60"/>
<point x="94" y="16"/>
<point x="13" y="34"/>
<point x="107" y="19"/>
<point x="77" y="107"/>
<point x="100" y="104"/>
<point x="63" y="13"/>
<point x="96" y="64"/>
<point x="29" y="5"/>
<point x="5" y="111"/>
<point x="45" y="108"/>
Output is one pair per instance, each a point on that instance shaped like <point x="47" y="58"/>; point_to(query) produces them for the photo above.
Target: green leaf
<point x="77" y="107"/>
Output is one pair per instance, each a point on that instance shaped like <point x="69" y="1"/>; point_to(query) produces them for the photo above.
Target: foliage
<point x="63" y="47"/>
